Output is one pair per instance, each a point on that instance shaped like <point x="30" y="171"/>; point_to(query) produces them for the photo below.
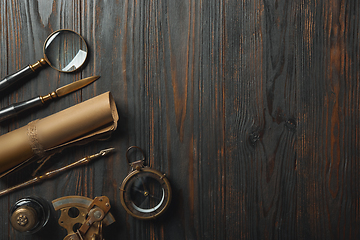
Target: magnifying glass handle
<point x="15" y="77"/>
<point x="21" y="75"/>
<point x="15" y="109"/>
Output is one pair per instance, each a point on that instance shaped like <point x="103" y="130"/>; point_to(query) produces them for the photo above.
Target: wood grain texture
<point x="251" y="108"/>
<point x="329" y="115"/>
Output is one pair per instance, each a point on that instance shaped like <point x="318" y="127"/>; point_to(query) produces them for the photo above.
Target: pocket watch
<point x="145" y="193"/>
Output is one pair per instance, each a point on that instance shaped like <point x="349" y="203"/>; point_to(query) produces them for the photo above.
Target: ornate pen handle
<point x="50" y="174"/>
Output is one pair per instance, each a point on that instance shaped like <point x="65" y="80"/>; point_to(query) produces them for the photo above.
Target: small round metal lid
<point x="24" y="219"/>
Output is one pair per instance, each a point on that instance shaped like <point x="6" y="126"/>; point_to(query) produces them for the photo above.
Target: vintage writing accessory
<point x="29" y="214"/>
<point x="94" y="119"/>
<point x="17" y="108"/>
<point x="82" y="217"/>
<point x="53" y="173"/>
<point x="64" y="50"/>
<point x="145" y="193"/>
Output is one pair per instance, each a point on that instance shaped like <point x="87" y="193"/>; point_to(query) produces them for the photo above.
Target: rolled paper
<point x="82" y="122"/>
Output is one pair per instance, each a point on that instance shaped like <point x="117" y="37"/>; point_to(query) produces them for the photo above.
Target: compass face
<point x="145" y="193"/>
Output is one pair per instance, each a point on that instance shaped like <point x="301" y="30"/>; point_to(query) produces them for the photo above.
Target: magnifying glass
<point x="64" y="50"/>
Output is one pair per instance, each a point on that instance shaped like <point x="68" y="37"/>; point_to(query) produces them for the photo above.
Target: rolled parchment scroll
<point x="84" y="121"/>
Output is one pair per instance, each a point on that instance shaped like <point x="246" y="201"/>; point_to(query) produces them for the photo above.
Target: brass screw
<point x="22" y="220"/>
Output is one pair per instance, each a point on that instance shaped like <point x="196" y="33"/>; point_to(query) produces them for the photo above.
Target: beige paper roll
<point x="93" y="117"/>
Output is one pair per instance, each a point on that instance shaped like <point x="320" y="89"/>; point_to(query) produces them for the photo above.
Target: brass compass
<point x="145" y="193"/>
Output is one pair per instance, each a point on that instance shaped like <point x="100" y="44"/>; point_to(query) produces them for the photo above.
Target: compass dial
<point x="145" y="193"/>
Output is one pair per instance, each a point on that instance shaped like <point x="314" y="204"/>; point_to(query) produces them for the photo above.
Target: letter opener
<point x="17" y="108"/>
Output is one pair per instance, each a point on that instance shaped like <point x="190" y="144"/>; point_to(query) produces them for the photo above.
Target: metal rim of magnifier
<point x="64" y="30"/>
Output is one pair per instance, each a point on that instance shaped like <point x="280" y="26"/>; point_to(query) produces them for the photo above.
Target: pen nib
<point x="106" y="151"/>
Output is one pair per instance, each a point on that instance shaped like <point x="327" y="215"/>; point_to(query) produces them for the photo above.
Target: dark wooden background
<point x="250" y="107"/>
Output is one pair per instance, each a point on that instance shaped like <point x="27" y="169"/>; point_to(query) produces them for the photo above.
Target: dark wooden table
<point x="251" y="108"/>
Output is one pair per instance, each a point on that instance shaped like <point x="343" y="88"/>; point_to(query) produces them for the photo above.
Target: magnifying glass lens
<point x="65" y="50"/>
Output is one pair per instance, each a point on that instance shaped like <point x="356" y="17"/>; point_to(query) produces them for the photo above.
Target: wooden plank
<point x="260" y="119"/>
<point x="328" y="205"/>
